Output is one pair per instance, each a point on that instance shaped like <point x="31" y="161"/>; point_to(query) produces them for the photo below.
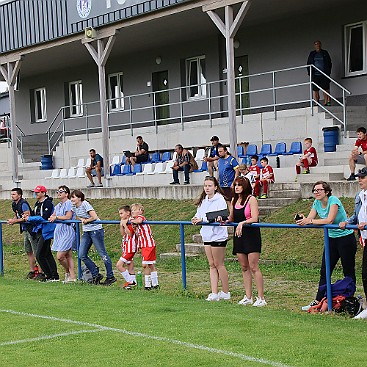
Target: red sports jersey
<point x="362" y="144"/>
<point x="144" y="234"/>
<point x="266" y="172"/>
<point x="128" y="242"/>
<point x="255" y="170"/>
<point x="313" y="155"/>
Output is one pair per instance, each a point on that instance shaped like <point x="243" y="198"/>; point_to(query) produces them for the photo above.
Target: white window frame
<point x="201" y="84"/>
<point x="347" y="41"/>
<point x="76" y="109"/>
<point x="117" y="96"/>
<point x="40" y="104"/>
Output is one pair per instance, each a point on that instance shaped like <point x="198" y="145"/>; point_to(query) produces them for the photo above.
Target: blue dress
<point x="64" y="236"/>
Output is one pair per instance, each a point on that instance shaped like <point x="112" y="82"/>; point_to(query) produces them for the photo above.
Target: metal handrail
<point x="209" y="105"/>
<point x="325" y="228"/>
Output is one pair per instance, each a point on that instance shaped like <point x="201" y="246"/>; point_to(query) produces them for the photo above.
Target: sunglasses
<point x="60" y="191"/>
<point x="317" y="191"/>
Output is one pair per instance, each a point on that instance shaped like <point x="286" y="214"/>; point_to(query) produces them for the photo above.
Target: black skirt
<point x="249" y="242"/>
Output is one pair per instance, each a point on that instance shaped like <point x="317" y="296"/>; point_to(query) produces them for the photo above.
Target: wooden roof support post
<point x="100" y="57"/>
<point x="10" y="72"/>
<point x="229" y="28"/>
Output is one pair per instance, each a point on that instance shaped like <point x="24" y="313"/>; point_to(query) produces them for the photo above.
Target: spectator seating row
<point x="266" y="150"/>
<point x="72" y="172"/>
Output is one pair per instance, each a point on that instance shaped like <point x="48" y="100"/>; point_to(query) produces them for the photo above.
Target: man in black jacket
<point x="21" y="207"/>
<point x="321" y="59"/>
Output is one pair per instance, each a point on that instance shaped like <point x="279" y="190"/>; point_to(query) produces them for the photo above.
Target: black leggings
<point x="45" y="258"/>
<point x="343" y="248"/>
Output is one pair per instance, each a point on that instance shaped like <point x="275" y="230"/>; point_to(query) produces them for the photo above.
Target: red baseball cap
<point x="40" y="188"/>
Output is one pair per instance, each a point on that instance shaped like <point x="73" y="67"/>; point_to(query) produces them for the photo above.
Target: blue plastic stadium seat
<point x="204" y="167"/>
<point x="116" y="170"/>
<point x="251" y="150"/>
<point x="280" y="149"/>
<point x="126" y="169"/>
<point x="123" y="159"/>
<point x="266" y="149"/>
<point x="166" y="156"/>
<point x="240" y="151"/>
<point x="156" y="157"/>
<point x="134" y="170"/>
<point x="296" y="148"/>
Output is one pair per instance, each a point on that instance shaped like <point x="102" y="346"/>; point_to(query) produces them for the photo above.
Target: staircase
<point x="34" y="146"/>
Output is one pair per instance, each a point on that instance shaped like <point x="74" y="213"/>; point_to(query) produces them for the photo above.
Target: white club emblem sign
<point x="83" y="7"/>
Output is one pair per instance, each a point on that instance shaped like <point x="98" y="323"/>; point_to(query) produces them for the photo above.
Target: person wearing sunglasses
<point x="64" y="235"/>
<point x="342" y="242"/>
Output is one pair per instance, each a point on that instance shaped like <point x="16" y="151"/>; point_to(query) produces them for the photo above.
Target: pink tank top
<point x="247" y="209"/>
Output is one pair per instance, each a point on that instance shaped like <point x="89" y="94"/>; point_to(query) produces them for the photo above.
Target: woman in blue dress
<point x="64" y="236"/>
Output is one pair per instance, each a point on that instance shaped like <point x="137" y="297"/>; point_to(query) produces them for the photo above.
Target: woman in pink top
<point x="247" y="239"/>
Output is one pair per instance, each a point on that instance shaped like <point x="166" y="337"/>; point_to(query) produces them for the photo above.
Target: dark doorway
<point x="161" y="96"/>
<point x="242" y="84"/>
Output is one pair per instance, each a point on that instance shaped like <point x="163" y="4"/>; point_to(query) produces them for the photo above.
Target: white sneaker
<point x="246" y="301"/>
<point x="361" y="315"/>
<point x="213" y="297"/>
<point x="313" y="303"/>
<point x="223" y="295"/>
<point x="67" y="277"/>
<point x="260" y="302"/>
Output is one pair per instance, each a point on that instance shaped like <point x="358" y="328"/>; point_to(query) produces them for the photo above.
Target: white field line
<point x="152" y="337"/>
<point x="44" y="337"/>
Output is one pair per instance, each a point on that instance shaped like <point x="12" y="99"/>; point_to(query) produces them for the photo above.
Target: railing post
<point x="327" y="266"/>
<point x="183" y="256"/>
<point x="1" y="251"/>
<point x="210" y="104"/>
<point x="344" y="115"/>
<point x="181" y="110"/>
<point x="86" y="122"/>
<point x="131" y="116"/>
<point x="240" y="97"/>
<point x="77" y="236"/>
<point x="311" y="99"/>
<point x="274" y="96"/>
<point x="155" y="112"/>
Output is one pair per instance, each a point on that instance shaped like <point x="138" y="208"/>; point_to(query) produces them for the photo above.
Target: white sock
<point x="132" y="278"/>
<point x="147" y="281"/>
<point x="154" y="277"/>
<point x="126" y="276"/>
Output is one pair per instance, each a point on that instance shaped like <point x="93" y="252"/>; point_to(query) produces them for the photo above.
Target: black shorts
<point x="322" y="81"/>
<point x="141" y="158"/>
<point x="216" y="244"/>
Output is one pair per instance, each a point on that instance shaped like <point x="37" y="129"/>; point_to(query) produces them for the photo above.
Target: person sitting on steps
<point x="359" y="152"/>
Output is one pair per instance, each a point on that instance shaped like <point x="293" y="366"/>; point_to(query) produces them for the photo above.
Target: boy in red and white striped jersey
<point x="146" y="243"/>
<point x="266" y="177"/>
<point x="125" y="265"/>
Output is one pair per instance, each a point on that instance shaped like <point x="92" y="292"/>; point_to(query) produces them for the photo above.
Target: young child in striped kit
<point x="125" y="265"/>
<point x="146" y="243"/>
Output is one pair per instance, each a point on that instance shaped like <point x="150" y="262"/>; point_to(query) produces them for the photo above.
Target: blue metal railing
<point x="182" y="224"/>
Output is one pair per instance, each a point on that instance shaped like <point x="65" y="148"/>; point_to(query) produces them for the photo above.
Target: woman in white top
<point x="214" y="237"/>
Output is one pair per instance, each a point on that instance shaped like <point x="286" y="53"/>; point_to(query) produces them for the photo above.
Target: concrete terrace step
<point x="313" y="177"/>
<point x="168" y="255"/>
<point x="280" y="194"/>
<point x="192" y="248"/>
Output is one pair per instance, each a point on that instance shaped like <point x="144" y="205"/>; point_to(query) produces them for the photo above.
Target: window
<point x="76" y="98"/>
<point x="40" y="105"/>
<point x="115" y="92"/>
<point x="196" y="77"/>
<point x="355" y="48"/>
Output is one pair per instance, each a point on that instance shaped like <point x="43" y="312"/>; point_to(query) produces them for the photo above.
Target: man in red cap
<point x="44" y="233"/>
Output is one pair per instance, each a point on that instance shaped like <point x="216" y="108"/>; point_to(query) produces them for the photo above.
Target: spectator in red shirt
<point x="358" y="156"/>
<point x="309" y="158"/>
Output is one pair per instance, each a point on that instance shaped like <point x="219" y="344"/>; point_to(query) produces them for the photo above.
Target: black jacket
<point x="327" y="61"/>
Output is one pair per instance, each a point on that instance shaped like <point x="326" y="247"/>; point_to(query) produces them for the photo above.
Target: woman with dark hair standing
<point x="214" y="237"/>
<point x="247" y="239"/>
<point x="64" y="236"/>
<point x="342" y="242"/>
